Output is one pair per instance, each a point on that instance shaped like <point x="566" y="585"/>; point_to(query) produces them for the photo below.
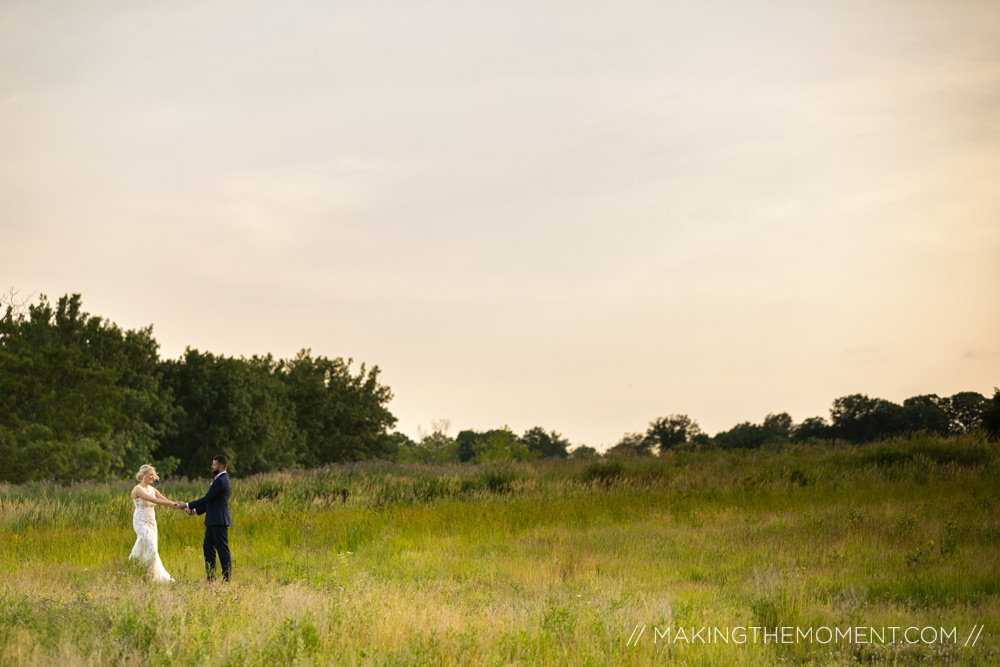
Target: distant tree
<point x="400" y="441"/>
<point x="858" y="418"/>
<point x="927" y="414"/>
<point x="229" y="406"/>
<point x="469" y="445"/>
<point x="671" y="431"/>
<point x="583" y="452"/>
<point x="82" y="399"/>
<point x="965" y="411"/>
<point x="813" y="428"/>
<point x="745" y="435"/>
<point x="991" y="416"/>
<point x="700" y="440"/>
<point x="341" y="416"/>
<point x="438" y="446"/>
<point x="435" y="447"/>
<point x="549" y="445"/>
<point x="503" y="445"/>
<point x="431" y="448"/>
<point x="632" y="444"/>
<point x="79" y="397"/>
<point x="777" y="428"/>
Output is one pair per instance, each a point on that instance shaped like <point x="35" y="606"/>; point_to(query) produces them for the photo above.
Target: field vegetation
<point x="546" y="562"/>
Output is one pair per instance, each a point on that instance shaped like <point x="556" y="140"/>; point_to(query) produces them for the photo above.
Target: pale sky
<point x="576" y="215"/>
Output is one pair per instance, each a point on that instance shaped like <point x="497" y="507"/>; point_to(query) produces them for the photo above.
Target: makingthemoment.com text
<point x="796" y="635"/>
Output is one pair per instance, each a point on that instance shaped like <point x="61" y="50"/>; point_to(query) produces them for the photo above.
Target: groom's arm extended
<point x="214" y="490"/>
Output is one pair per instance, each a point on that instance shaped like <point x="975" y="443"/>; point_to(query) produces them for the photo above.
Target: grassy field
<point x="549" y="563"/>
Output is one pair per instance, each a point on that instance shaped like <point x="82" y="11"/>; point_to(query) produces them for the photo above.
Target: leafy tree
<point x="671" y="431"/>
<point x="341" y="417"/>
<point x="82" y="399"/>
<point x="811" y="429"/>
<point x="991" y="416"/>
<point x="266" y="414"/>
<point x="927" y="414"/>
<point x="965" y="411"/>
<point x="400" y="441"/>
<point x="229" y="406"/>
<point x="858" y="418"/>
<point x="503" y="445"/>
<point x="79" y="397"/>
<point x="777" y="428"/>
<point x="700" y="440"/>
<point x="469" y="444"/>
<point x="745" y="435"/>
<point x="549" y="445"/>
<point x="434" y="447"/>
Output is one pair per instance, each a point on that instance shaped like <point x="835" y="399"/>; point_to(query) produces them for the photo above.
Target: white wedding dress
<point x="145" y="549"/>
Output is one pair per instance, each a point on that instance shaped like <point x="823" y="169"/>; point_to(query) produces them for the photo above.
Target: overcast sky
<point x="579" y="215"/>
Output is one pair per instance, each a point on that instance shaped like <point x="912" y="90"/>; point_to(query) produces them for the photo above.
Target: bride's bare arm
<point x="139" y="492"/>
<point x="172" y="503"/>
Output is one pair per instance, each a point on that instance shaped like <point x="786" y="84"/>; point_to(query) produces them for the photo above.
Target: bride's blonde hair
<point x="143" y="470"/>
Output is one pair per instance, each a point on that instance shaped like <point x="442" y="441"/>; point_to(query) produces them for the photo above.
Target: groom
<point x="215" y="506"/>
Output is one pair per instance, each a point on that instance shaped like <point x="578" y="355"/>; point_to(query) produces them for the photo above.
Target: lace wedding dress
<point x="145" y="549"/>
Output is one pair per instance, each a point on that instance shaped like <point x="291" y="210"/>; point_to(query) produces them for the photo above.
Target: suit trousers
<point x="217" y="540"/>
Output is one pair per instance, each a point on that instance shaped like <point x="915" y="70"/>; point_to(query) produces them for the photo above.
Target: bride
<point x="145" y="497"/>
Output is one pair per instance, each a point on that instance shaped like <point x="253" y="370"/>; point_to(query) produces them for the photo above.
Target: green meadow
<point x="624" y="562"/>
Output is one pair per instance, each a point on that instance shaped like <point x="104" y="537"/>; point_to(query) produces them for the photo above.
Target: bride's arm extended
<point x="138" y="492"/>
<point x="172" y="503"/>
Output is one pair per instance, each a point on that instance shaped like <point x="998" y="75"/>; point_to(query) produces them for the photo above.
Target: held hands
<point x="178" y="505"/>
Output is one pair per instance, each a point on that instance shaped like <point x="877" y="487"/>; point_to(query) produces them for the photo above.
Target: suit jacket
<point x="215" y="504"/>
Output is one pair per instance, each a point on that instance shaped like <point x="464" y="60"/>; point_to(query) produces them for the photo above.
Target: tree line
<point x="854" y="419"/>
<point x="81" y="399"/>
<point x="470" y="446"/>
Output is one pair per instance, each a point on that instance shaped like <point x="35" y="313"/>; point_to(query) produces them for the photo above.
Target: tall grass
<point x="545" y="563"/>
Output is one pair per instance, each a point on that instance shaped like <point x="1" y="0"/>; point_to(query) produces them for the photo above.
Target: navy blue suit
<point x="215" y="506"/>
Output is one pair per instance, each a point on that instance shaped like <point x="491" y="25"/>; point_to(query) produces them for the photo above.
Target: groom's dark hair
<point x="223" y="461"/>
